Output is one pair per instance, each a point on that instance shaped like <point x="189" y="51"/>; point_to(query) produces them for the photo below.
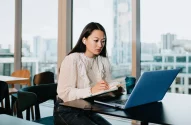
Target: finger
<point x="107" y="85"/>
<point x="104" y="87"/>
<point x="104" y="84"/>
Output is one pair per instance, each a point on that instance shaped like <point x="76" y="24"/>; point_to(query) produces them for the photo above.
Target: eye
<point x="103" y="41"/>
<point x="96" y="41"/>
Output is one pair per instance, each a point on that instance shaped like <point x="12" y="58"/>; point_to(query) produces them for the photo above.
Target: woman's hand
<point x="100" y="86"/>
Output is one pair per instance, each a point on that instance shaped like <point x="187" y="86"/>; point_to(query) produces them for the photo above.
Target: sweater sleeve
<point x="67" y="83"/>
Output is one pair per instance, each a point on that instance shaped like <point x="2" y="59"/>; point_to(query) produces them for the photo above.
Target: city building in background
<point x="121" y="57"/>
<point x="173" y="53"/>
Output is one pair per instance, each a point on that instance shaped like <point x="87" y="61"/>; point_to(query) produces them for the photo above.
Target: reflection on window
<point x="116" y="17"/>
<point x="39" y="35"/>
<point x="7" y="11"/>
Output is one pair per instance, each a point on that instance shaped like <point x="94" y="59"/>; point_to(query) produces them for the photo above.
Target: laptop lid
<point x="151" y="87"/>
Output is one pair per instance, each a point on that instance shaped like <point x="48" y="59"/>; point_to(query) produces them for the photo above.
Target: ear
<point x="84" y="41"/>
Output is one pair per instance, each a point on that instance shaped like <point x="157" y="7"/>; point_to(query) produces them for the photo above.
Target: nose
<point x="100" y="44"/>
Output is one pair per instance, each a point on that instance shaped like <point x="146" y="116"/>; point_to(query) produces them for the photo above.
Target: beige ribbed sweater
<point x="79" y="73"/>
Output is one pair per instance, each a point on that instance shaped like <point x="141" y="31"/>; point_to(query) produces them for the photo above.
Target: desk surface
<point x="173" y="109"/>
<point x="13" y="80"/>
<point x="10" y="120"/>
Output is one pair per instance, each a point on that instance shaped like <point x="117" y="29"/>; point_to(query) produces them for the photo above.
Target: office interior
<point x="143" y="35"/>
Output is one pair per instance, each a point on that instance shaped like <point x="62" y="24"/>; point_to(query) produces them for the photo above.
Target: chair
<point x="35" y="95"/>
<point x="43" y="78"/>
<point x="4" y="94"/>
<point x="24" y="73"/>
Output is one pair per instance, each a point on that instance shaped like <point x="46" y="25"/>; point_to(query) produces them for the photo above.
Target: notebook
<point x="112" y="87"/>
<point x="150" y="87"/>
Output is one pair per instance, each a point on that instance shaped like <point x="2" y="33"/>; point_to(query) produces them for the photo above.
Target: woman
<point x="84" y="71"/>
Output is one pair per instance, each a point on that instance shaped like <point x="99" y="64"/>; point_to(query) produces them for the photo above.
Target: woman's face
<point x="94" y="43"/>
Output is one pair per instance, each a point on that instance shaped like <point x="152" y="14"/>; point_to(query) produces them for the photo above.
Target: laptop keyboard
<point x="121" y="101"/>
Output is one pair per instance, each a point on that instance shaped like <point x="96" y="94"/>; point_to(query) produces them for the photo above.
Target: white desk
<point x="11" y="120"/>
<point x="14" y="80"/>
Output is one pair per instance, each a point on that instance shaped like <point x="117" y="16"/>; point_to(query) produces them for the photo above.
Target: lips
<point x="99" y="50"/>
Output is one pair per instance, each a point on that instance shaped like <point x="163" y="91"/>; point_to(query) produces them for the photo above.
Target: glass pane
<point x="189" y="58"/>
<point x="169" y="59"/>
<point x="181" y="59"/>
<point x="39" y="35"/>
<point x="166" y="40"/>
<point x="7" y="14"/>
<point x="115" y="16"/>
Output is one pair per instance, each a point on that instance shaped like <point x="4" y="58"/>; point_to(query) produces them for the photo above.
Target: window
<point x="189" y="69"/>
<point x="7" y="11"/>
<point x="189" y="81"/>
<point x="178" y="80"/>
<point x="181" y="59"/>
<point x="177" y="90"/>
<point x="145" y="67"/>
<point x="166" y="28"/>
<point x="169" y="59"/>
<point x="115" y="16"/>
<point x="183" y="68"/>
<point x="157" y="67"/>
<point x="169" y="89"/>
<point x="157" y="58"/>
<point x="189" y="59"/>
<point x="39" y="35"/>
<point x="189" y="91"/>
<point x="169" y="67"/>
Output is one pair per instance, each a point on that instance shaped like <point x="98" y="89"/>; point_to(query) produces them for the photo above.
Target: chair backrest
<point x="24" y="102"/>
<point x="4" y="94"/>
<point x="43" y="93"/>
<point x="43" y="78"/>
<point x="24" y="73"/>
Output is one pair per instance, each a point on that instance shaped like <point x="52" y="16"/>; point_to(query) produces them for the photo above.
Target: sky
<point x="40" y="18"/>
<point x="86" y="11"/>
<point x="165" y="16"/>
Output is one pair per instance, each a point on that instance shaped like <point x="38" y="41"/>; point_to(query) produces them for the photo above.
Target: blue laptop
<point x="150" y="87"/>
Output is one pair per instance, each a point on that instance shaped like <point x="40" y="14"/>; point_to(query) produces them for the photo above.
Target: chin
<point x="97" y="53"/>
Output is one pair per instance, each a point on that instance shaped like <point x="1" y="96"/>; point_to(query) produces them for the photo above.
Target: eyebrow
<point x="98" y="38"/>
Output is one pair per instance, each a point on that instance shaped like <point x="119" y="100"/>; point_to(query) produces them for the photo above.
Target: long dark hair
<point x="88" y="29"/>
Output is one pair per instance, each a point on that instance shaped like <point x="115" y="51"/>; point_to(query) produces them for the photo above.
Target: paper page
<point x="112" y="87"/>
